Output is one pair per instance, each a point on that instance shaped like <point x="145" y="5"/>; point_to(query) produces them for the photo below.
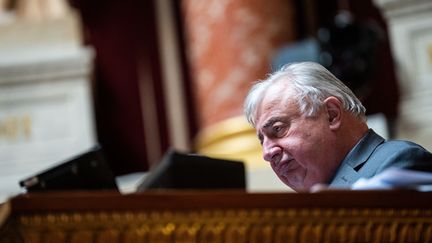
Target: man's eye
<point x="277" y="129"/>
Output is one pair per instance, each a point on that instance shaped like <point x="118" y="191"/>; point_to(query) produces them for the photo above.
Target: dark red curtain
<point x="123" y="35"/>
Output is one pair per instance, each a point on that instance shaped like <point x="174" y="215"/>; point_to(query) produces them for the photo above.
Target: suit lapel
<point x="350" y="169"/>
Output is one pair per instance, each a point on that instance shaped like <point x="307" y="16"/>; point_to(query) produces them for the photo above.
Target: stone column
<point x="410" y="26"/>
<point x="230" y="45"/>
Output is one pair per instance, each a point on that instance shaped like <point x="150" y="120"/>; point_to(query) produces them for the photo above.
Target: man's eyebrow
<point x="268" y="124"/>
<point x="271" y="121"/>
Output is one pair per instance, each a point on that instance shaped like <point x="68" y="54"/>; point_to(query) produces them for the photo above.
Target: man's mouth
<point x="285" y="166"/>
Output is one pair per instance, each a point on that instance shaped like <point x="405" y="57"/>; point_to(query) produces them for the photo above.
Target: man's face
<point x="300" y="149"/>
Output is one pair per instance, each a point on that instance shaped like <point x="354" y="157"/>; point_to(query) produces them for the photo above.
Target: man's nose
<point x="271" y="152"/>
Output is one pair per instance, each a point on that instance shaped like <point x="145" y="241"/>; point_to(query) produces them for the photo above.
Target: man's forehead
<point x="275" y="97"/>
<point x="276" y="109"/>
<point x="278" y="90"/>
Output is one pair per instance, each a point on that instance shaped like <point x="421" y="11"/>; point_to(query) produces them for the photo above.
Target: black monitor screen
<point x="190" y="171"/>
<point x="86" y="171"/>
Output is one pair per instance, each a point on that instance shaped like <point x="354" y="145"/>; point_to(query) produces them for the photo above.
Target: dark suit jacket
<point x="373" y="154"/>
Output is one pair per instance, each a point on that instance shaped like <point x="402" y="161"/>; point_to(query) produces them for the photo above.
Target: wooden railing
<point x="220" y="216"/>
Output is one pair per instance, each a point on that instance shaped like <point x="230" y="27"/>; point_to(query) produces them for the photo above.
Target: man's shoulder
<point x="400" y="146"/>
<point x="374" y="154"/>
<point x="400" y="153"/>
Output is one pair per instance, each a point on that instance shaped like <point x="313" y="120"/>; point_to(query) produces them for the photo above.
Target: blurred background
<point x="139" y="77"/>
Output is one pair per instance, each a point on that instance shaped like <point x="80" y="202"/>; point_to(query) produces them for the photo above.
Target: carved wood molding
<point x="225" y="225"/>
<point x="220" y="216"/>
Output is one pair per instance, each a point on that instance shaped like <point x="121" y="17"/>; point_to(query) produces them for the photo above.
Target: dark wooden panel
<point x="218" y="199"/>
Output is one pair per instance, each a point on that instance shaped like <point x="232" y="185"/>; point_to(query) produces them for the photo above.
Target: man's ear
<point x="334" y="111"/>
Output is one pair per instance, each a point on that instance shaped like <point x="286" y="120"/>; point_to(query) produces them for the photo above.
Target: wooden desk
<point x="220" y="216"/>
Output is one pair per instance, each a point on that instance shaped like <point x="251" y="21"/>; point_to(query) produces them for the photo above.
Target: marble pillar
<point x="230" y="45"/>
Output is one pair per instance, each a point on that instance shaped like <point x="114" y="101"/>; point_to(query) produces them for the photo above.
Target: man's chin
<point x="297" y="183"/>
<point x="291" y="184"/>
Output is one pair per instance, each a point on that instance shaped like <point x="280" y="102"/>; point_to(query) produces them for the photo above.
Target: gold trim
<point x="5" y="210"/>
<point x="226" y="128"/>
<point x="233" y="138"/>
<point x="229" y="225"/>
<point x="430" y="52"/>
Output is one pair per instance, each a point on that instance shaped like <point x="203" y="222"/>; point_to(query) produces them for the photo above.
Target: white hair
<point x="312" y="84"/>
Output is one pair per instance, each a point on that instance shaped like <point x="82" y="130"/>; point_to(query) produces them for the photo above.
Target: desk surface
<point x="108" y="200"/>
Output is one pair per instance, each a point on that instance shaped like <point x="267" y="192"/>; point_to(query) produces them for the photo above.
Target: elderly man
<point x="313" y="130"/>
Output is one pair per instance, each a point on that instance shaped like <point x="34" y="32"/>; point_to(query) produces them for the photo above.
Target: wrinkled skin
<point x="301" y="150"/>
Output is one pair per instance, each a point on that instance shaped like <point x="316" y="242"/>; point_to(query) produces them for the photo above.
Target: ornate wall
<point x="46" y="108"/>
<point x="410" y="25"/>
